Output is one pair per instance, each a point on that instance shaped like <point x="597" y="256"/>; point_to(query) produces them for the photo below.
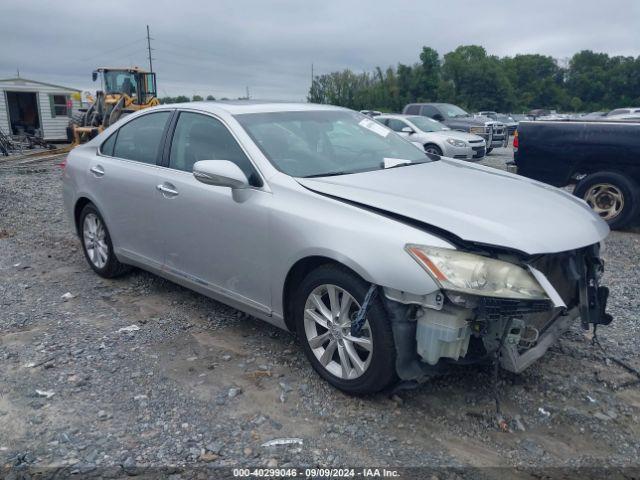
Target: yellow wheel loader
<point x="123" y="91"/>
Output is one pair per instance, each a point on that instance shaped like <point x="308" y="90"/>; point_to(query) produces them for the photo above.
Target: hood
<point x="475" y="203"/>
<point x="469" y="121"/>
<point x="456" y="134"/>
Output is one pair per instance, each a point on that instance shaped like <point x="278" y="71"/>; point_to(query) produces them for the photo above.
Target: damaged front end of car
<point x="493" y="306"/>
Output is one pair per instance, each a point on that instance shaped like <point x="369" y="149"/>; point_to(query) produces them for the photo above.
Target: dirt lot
<point x="198" y="385"/>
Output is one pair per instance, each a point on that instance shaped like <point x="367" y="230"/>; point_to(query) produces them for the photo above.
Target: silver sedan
<point x="388" y="263"/>
<point x="435" y="137"/>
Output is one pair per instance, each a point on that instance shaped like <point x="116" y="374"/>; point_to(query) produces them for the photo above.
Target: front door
<point x="215" y="236"/>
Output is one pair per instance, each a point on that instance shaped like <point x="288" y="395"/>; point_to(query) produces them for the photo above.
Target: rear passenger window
<point x="107" y="146"/>
<point x="141" y="139"/>
<point x="201" y="137"/>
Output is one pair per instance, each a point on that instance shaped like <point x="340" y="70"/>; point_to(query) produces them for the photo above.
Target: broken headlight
<point x="468" y="273"/>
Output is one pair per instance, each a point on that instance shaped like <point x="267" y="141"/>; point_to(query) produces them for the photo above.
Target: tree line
<point x="474" y="80"/>
<point x="184" y="99"/>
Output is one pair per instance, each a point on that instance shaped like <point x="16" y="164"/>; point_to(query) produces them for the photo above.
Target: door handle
<point x="167" y="190"/>
<point x="98" y="171"/>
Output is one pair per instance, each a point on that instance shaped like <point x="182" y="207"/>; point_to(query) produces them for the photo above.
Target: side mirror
<point x="438" y="117"/>
<point x="94" y="76"/>
<point x="408" y="130"/>
<point x="221" y="173"/>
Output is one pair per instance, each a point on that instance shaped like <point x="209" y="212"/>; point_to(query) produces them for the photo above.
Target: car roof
<point x="237" y="107"/>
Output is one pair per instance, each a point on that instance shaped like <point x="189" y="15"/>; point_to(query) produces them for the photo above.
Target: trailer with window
<point x="36" y="108"/>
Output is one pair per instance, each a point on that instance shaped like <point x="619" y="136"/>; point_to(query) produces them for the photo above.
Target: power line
<point x="94" y="55"/>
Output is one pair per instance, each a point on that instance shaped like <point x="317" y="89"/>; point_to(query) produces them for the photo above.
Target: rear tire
<point x="613" y="196"/>
<point x="370" y="358"/>
<point x="97" y="245"/>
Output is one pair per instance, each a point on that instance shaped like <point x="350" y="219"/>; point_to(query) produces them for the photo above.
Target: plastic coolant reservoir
<point x="442" y="333"/>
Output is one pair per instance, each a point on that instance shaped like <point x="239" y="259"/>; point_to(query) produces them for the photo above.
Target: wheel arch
<point x="296" y="274"/>
<point x="81" y="202"/>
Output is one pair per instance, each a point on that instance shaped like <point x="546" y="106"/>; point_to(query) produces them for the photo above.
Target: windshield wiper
<point x="328" y="174"/>
<point x="404" y="164"/>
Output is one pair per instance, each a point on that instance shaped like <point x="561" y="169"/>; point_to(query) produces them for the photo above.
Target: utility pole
<point x="312" y="75"/>
<point x="248" y="93"/>
<point x="149" y="49"/>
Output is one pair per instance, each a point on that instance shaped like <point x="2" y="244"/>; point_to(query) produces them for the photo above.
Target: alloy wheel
<point x="328" y="313"/>
<point x="95" y="240"/>
<point x="605" y="199"/>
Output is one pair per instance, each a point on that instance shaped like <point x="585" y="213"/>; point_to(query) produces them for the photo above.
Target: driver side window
<point x="396" y="125"/>
<point x="201" y="137"/>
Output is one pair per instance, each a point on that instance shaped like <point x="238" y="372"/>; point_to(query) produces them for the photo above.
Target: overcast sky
<point x="220" y="47"/>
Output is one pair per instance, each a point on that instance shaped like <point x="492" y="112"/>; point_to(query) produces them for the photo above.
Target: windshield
<point x="118" y="81"/>
<point x="319" y="143"/>
<point x="427" y="124"/>
<point x="452" y="111"/>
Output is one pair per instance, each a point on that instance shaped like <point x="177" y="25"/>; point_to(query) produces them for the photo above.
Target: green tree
<point x="479" y="81"/>
<point x="196" y="98"/>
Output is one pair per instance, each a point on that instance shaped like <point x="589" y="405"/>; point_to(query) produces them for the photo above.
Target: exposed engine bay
<point x="446" y="328"/>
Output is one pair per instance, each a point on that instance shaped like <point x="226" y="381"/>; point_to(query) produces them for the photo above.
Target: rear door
<point x="125" y="180"/>
<point x="215" y="237"/>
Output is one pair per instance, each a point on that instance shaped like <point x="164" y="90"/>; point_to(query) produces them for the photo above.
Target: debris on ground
<point x="282" y="441"/>
<point x="45" y="393"/>
<point x="130" y="328"/>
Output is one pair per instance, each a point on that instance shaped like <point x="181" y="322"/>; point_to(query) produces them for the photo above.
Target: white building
<point x="38" y="108"/>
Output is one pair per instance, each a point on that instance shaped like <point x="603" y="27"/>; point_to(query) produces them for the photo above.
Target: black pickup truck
<point x="602" y="159"/>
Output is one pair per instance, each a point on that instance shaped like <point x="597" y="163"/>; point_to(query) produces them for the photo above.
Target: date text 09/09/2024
<point x="316" y="472"/>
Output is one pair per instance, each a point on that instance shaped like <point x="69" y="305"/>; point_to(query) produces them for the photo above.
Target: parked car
<point x="519" y="117"/>
<point x="388" y="263"/>
<point x="494" y="133"/>
<point x="539" y="112"/>
<point x="489" y="113"/>
<point x="600" y="158"/>
<point x="593" y="116"/>
<point x="507" y="120"/>
<point x="623" y="112"/>
<point x="625" y="116"/>
<point x="435" y="137"/>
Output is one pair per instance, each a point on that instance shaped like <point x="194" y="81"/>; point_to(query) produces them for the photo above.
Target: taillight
<point x="63" y="163"/>
<point x="516" y="143"/>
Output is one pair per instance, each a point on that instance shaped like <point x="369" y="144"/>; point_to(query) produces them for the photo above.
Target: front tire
<point x="489" y="150"/>
<point x="97" y="245"/>
<point x="612" y="196"/>
<point x="325" y="303"/>
<point x="433" y="149"/>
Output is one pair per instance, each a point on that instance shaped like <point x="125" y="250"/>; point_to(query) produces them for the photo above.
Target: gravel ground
<point x="196" y="385"/>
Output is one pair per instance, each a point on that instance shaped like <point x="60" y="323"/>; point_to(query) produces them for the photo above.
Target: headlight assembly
<point x="456" y="143"/>
<point x="474" y="274"/>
